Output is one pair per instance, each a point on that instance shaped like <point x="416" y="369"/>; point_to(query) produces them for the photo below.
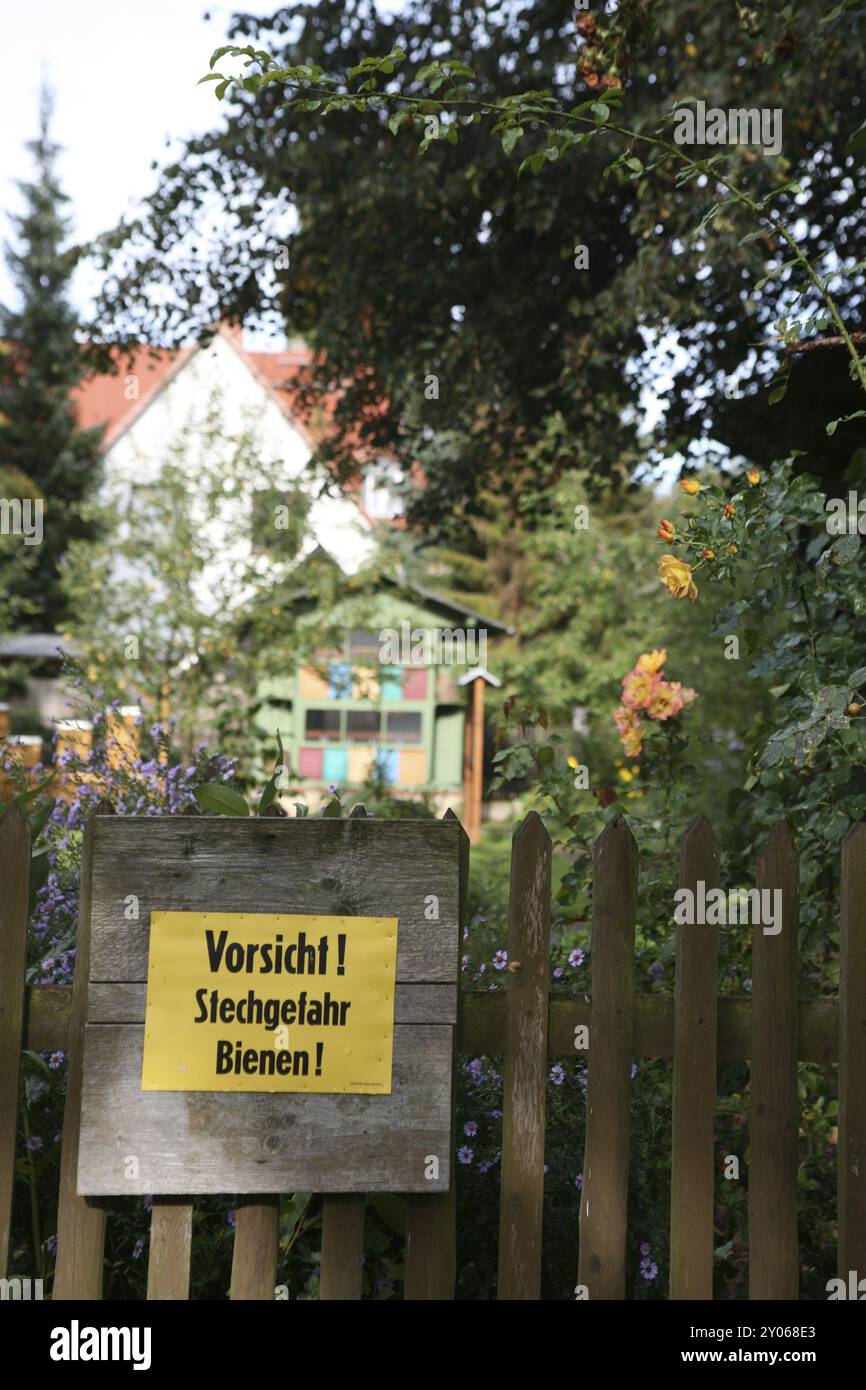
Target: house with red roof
<point x="358" y="708"/>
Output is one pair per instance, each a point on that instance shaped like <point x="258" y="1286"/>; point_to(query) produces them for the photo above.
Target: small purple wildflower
<point x="576" y="958"/>
<point x="557" y="974"/>
<point x="500" y="960"/>
<point x="471" y="1128"/>
<point x="557" y="1075"/>
<point x="138" y="1247"/>
<point x="465" y="1154"/>
<point x="56" y="1060"/>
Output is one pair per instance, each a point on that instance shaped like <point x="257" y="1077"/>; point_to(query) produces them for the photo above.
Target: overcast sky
<point x="124" y="78"/>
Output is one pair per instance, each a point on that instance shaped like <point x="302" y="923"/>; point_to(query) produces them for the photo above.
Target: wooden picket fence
<point x="773" y="1029"/>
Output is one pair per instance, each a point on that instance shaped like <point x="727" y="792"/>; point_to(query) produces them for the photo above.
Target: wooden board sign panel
<point x="184" y="923"/>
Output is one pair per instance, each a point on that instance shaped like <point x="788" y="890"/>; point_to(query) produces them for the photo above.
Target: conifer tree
<point x="42" y="449"/>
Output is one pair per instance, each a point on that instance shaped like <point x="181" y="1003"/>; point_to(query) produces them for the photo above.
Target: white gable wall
<point x="219" y="372"/>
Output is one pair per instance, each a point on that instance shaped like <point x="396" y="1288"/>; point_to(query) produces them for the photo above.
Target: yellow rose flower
<point x="690" y="485"/>
<point x="652" y="661"/>
<point x="676" y="576"/>
<point x="753" y="476"/>
<point x="632" y="743"/>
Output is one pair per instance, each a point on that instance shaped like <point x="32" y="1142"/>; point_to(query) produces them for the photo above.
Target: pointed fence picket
<point x="774" y="1030"/>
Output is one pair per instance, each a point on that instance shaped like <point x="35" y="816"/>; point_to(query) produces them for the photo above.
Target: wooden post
<point x="694" y="1079"/>
<point x="522" y="1190"/>
<point x="254" y="1257"/>
<point x="851" y="1151"/>
<point x="14" y="892"/>
<point x="604" y="1196"/>
<point x="80" y="1223"/>
<point x="477" y="754"/>
<point x="342" y="1246"/>
<point x="170" y="1248"/>
<point x="774" y="1117"/>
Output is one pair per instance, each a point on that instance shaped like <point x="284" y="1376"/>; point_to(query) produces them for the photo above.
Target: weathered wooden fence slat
<point x="431" y="1246"/>
<point x="254" y="1257"/>
<point x="342" y="1246"/>
<point x="80" y="1222"/>
<point x="523" y="1105"/>
<point x="170" y="1253"/>
<point x="851" y="1154"/>
<point x="605" y="1169"/>
<point x="14" y="890"/>
<point x="694" y="1078"/>
<point x="774" y="1114"/>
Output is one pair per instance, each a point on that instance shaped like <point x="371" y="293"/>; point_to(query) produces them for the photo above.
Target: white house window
<point x="378" y="491"/>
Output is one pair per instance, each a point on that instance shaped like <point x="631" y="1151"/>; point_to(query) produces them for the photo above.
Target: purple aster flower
<point x="137" y="1248"/>
<point x="648" y="1270"/>
<point x="464" y="1154"/>
<point x="578" y="1180"/>
<point x="634" y="1070"/>
<point x="471" y="1128"/>
<point x="557" y="1075"/>
<point x="557" y="972"/>
<point x="56" y="1060"/>
<point x="500" y="960"/>
<point x="333" y="789"/>
<point x="231" y="1219"/>
<point x="34" y="1144"/>
<point x="576" y="958"/>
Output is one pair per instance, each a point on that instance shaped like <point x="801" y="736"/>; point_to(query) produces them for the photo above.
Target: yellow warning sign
<point x="246" y="1001"/>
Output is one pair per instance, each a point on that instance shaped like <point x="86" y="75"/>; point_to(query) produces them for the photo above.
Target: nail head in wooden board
<point x="256" y="1245"/>
<point x="170" y="1249"/>
<point x="15" y="848"/>
<point x="122" y="1003"/>
<point x="206" y="1142"/>
<point x="349" y="866"/>
<point x="851" y="1155"/>
<point x="774" y="1112"/>
<point x="604" y="1195"/>
<point x="694" y="1078"/>
<point x="525" y="1082"/>
<point x="78" y="1270"/>
<point x="341" y="1272"/>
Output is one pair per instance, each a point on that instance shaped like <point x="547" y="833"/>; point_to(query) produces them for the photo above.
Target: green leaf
<point x="269" y="791"/>
<point x="845" y="549"/>
<point x="777" y="394"/>
<point x="221" y="800"/>
<point x="39" y="866"/>
<point x="856" y="143"/>
<point x="545" y="756"/>
<point x="511" y="137"/>
<point x="395" y="121"/>
<point x="38" y="1062"/>
<point x="857" y="677"/>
